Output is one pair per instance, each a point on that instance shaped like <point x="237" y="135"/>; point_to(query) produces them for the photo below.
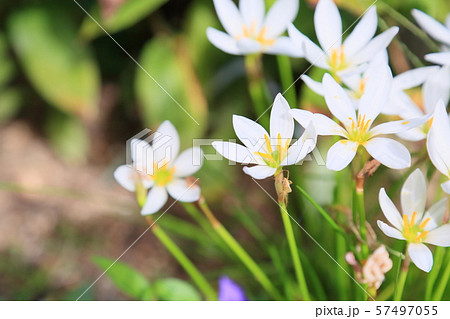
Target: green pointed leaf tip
<point x="127" y="279"/>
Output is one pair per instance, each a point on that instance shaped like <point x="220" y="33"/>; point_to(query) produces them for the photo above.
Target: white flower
<point x="398" y="103"/>
<point x="270" y="152"/>
<point x="342" y="58"/>
<point x="357" y="129"/>
<point x="160" y="168"/>
<point x="249" y="30"/>
<point x="416" y="225"/>
<point x="438" y="32"/>
<point x="438" y="143"/>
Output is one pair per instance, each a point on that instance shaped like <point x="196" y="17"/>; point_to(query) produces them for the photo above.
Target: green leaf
<point x="178" y="96"/>
<point x="126" y="15"/>
<point x="173" y="289"/>
<point x="60" y="68"/>
<point x="127" y="280"/>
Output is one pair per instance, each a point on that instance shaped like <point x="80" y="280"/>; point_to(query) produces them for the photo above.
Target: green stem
<point x="362" y="221"/>
<point x="184" y="261"/>
<point x="287" y="80"/>
<point x="438" y="258"/>
<point x="400" y="285"/>
<point x="294" y="252"/>
<point x="440" y="289"/>
<point x="240" y="252"/>
<point x="259" y="92"/>
<point x="325" y="215"/>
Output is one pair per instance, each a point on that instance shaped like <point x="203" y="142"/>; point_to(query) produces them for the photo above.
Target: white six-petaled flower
<point x="250" y="30"/>
<point x="357" y="127"/>
<point x="415" y="225"/>
<point x="269" y="152"/>
<point x="341" y="58"/>
<point x="161" y="169"/>
<point x="438" y="143"/>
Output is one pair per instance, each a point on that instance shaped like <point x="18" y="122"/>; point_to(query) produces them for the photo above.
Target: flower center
<point x="359" y="131"/>
<point x="412" y="232"/>
<point x="271" y="157"/>
<point x="258" y="35"/>
<point x="360" y="90"/>
<point x="162" y="175"/>
<point x="336" y="60"/>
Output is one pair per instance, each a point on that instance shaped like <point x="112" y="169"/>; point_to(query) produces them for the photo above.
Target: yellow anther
<point x="252" y="33"/>
<point x="337" y="59"/>
<point x="271" y="157"/>
<point x="414" y="233"/>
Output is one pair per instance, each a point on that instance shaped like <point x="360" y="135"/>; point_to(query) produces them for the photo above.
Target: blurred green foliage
<point x="55" y="63"/>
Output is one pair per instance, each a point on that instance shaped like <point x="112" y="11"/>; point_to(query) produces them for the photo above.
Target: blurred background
<point x="69" y="100"/>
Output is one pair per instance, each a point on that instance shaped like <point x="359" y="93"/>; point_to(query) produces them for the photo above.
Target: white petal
<point x="389" y="210"/>
<point x="421" y="256"/>
<point x="414" y="77"/>
<point x="303" y="117"/>
<point x="126" y="177"/>
<point x="313" y="85"/>
<point x="259" y="171"/>
<point x="399" y="126"/>
<point x="142" y="155"/>
<point x="328" y="25"/>
<point x="229" y="16"/>
<point x="414" y="194"/>
<point x="376" y="92"/>
<point x="306" y="47"/>
<point x="188" y="162"/>
<point x="165" y="144"/>
<point x="249" y="46"/>
<point x="435" y="29"/>
<point x="363" y="32"/>
<point x="184" y="191"/>
<point x="338" y="101"/>
<point x="375" y="46"/>
<point x="302" y="147"/>
<point x="252" y="12"/>
<point x="223" y="41"/>
<point x="341" y="154"/>
<point x="234" y="152"/>
<point x="413" y="135"/>
<point x="284" y="46"/>
<point x="436" y="214"/>
<point x="249" y="132"/>
<point x="438" y="140"/>
<point x="437" y="87"/>
<point x="156" y="199"/>
<point x="439" y="236"/>
<point x="280" y="15"/>
<point x="389" y="231"/>
<point x="388" y="152"/>
<point x="446" y="187"/>
<point x="326" y="126"/>
<point x="281" y="120"/>
<point x="442" y="58"/>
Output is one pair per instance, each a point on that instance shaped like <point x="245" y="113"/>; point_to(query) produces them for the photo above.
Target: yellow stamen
<point x="269" y="146"/>
<point x="413" y="219"/>
<point x="424" y="223"/>
<point x="252" y="33"/>
<point x="279" y="142"/>
<point x="405" y="224"/>
<point x="421" y="236"/>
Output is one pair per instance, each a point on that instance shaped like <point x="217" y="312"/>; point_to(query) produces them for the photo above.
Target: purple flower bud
<point x="229" y="290"/>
